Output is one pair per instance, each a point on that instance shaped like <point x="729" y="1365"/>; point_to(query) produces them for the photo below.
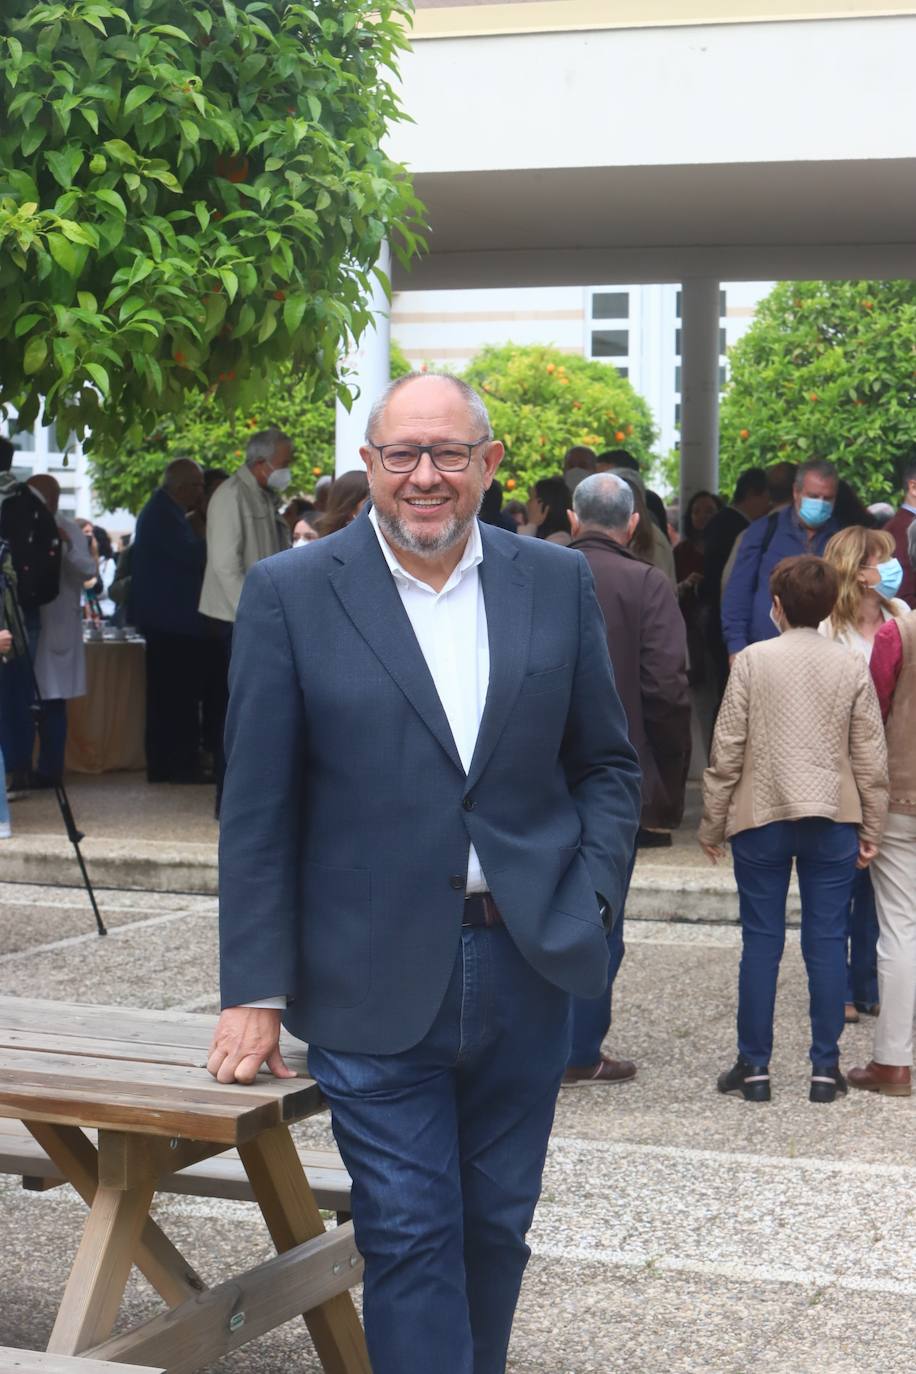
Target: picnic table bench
<point x="137" y="1078"/>
<point x="36" y="1362"/>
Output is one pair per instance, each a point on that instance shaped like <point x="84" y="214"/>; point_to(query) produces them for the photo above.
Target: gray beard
<point x="454" y="532"/>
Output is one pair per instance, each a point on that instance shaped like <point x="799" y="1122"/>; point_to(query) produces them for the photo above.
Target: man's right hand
<point x="6" y="641"/>
<point x="244" y="1039"/>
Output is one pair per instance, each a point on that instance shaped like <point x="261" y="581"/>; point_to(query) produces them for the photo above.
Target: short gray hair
<point x="605" y="500"/>
<point x="911" y="543"/>
<point x="176" y="472"/>
<point x="821" y="467"/>
<point x="260" y="447"/>
<point x="475" y="405"/>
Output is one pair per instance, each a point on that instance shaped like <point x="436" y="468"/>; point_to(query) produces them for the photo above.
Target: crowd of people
<point x="682" y="599"/>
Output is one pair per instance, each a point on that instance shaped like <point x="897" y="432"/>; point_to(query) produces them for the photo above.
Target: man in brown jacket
<point x="648" y="648"/>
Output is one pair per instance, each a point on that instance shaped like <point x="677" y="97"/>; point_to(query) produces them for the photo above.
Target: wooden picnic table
<point x="139" y="1079"/>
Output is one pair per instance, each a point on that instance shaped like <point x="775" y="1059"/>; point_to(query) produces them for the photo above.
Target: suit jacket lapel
<point x="367" y="592"/>
<point x="507" y="595"/>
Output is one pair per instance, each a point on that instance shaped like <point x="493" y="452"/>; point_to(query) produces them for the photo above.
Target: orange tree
<point x="827" y="370"/>
<point x="191" y="193"/>
<point x="542" y="401"/>
<point x="205" y="431"/>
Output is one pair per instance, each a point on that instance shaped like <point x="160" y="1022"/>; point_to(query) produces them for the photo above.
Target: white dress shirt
<point x="451" y="630"/>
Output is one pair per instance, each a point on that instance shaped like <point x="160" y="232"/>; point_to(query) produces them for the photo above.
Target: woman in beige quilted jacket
<point x="798" y="771"/>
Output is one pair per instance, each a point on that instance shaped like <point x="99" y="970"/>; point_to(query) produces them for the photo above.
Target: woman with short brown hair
<point x="798" y="771"/>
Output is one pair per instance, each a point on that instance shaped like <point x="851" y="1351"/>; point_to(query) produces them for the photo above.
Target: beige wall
<point x="447" y="19"/>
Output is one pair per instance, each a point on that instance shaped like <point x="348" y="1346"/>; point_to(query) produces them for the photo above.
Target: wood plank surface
<point x="40" y="1362"/>
<point x="192" y="1031"/>
<point x="41" y="1039"/>
<point x="235" y="1312"/>
<point x="158" y="1099"/>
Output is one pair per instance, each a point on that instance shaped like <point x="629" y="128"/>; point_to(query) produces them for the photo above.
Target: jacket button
<point x="469" y="803"/>
<point x="456" y="881"/>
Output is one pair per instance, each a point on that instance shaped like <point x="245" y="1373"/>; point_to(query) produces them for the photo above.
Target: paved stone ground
<point x="679" y="1232"/>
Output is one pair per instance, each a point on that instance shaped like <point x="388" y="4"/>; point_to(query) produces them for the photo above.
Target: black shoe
<point x="750" y="1080"/>
<point x="653" y="839"/>
<point x="868" y="1008"/>
<point x="825" y="1084"/>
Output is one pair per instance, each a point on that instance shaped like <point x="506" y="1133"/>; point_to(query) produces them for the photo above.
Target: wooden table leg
<point x="99" y="1274"/>
<point x="285" y="1199"/>
<point x="156" y="1257"/>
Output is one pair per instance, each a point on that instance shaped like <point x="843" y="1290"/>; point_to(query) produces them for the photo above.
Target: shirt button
<point x="469" y="803"/>
<point x="456" y="881"/>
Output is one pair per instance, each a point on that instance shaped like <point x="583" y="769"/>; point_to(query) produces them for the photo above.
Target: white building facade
<point x="636" y="329"/>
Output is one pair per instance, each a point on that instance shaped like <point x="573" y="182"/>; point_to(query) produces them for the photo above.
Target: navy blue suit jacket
<point x="347" y="816"/>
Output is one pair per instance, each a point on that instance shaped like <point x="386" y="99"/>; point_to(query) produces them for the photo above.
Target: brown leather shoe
<point x="605" y="1071"/>
<point x="890" y="1079"/>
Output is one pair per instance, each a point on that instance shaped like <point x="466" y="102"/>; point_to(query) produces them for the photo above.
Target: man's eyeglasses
<point x="449" y="455"/>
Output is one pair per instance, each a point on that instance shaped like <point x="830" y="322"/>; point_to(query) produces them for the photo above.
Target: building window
<point x="611" y="305"/>
<point x="610" y="343"/>
<point x="623" y="371"/>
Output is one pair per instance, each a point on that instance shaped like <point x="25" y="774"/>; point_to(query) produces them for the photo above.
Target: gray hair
<point x="176" y="473"/>
<point x="260" y="447"/>
<point x="821" y="467"/>
<point x="911" y="543"/>
<point x="475" y="405"/>
<point x="605" y="500"/>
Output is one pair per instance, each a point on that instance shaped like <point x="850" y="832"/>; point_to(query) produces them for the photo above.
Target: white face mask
<point x="278" y="479"/>
<point x="774" y="620"/>
<point x="301" y="540"/>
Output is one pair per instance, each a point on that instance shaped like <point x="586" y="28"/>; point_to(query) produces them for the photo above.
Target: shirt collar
<point x="911" y="509"/>
<point x="472" y="556"/>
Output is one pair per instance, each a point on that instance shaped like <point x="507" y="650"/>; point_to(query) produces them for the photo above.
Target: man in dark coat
<point x="750" y="501"/>
<point x="167" y="572"/>
<point x="648" y="648"/>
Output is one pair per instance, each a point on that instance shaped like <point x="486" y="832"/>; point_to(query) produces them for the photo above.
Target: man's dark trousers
<point x="174" y="669"/>
<point x="445" y="1143"/>
<point x="590" y="1017"/>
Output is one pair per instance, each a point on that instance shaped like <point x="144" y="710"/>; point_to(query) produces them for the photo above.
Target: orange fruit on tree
<point x="316" y="472"/>
<point x="510" y="485"/>
<point x="868" y="305"/>
<point x="744" y="433"/>
<point x="279" y="295"/>
<point x="551" y="367"/>
<point x="813" y="396"/>
<point x="619" y="436"/>
<point x="231" y="168"/>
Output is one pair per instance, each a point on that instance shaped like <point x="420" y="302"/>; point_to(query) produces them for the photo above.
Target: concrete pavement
<point x="679" y="1232"/>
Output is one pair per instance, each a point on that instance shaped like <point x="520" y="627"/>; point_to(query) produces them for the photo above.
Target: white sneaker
<point x="5" y="831"/>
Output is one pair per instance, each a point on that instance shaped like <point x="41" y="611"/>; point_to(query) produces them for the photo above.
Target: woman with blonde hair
<point x="869" y="576"/>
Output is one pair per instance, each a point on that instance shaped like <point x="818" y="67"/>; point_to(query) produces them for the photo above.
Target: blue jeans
<point x="862" y="931"/>
<point x="591" y="1016"/>
<point x="825" y="853"/>
<point x="445" y="1143"/>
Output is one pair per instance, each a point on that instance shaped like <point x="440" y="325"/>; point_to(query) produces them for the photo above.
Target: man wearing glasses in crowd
<point x="429" y="810"/>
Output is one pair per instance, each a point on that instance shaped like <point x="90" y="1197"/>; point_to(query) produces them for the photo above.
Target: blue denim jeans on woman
<point x="825" y="854"/>
<point x="445" y="1144"/>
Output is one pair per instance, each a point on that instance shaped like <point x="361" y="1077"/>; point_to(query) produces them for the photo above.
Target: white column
<point x="699" y="387"/>
<point x="369" y="364"/>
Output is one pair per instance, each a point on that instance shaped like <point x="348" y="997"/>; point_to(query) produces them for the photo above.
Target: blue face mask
<point x="814" y="512"/>
<point x="891" y="575"/>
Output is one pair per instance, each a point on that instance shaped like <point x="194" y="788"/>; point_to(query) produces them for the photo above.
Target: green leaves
<point x="192" y="192"/>
<point x="826" y="370"/>
<point x="137" y="96"/>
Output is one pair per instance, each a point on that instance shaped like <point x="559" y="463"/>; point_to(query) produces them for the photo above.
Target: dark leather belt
<point x="481" y="910"/>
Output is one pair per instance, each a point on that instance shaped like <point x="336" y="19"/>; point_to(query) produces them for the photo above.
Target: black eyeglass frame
<point x="428" y="448"/>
